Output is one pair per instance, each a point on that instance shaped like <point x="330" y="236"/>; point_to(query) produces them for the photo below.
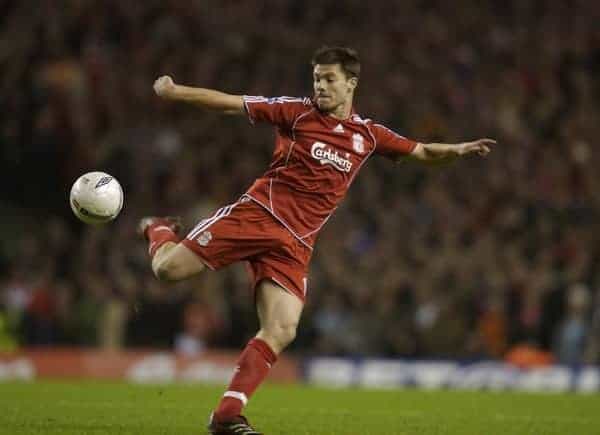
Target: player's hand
<point x="481" y="147"/>
<point x="164" y="86"/>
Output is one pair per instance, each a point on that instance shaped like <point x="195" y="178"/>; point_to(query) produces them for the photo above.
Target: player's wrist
<point x="459" y="150"/>
<point x="171" y="92"/>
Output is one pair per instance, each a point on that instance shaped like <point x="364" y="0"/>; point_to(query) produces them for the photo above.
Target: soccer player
<point x="321" y="144"/>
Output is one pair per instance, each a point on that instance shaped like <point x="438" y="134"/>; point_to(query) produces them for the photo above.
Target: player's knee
<point x="162" y="271"/>
<point x="166" y="269"/>
<point x="175" y="265"/>
<point x="287" y="335"/>
<point x="282" y="333"/>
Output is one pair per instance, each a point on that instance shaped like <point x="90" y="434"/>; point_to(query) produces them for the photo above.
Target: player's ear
<point x="353" y="82"/>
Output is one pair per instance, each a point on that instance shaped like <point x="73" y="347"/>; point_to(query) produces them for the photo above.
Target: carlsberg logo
<point x="328" y="156"/>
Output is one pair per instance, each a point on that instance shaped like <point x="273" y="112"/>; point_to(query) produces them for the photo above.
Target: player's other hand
<point x="481" y="147"/>
<point x="164" y="86"/>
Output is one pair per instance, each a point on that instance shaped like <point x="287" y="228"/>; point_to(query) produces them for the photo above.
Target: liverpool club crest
<point x="358" y="143"/>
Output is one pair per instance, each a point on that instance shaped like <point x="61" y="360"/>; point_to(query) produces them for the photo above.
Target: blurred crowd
<point x="466" y="261"/>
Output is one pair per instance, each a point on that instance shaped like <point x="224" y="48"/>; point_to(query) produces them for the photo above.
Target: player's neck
<point x="342" y="111"/>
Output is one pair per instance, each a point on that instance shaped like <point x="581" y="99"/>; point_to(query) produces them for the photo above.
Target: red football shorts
<point x="245" y="231"/>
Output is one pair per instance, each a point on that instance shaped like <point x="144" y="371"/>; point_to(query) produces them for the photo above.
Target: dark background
<point x="462" y="261"/>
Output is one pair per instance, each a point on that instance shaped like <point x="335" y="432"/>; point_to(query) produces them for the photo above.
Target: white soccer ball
<point x="96" y="198"/>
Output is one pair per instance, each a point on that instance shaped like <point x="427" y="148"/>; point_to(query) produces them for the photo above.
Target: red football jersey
<point x="316" y="158"/>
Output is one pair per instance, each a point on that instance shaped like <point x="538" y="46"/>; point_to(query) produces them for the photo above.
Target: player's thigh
<point x="279" y="311"/>
<point x="176" y="263"/>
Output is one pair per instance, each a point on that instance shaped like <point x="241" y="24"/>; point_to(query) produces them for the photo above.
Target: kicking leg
<point x="171" y="261"/>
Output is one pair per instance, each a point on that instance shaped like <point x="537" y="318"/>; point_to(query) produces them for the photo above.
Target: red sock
<point x="253" y="366"/>
<point x="158" y="234"/>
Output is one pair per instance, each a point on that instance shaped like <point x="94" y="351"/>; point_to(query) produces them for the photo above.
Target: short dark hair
<point x="346" y="57"/>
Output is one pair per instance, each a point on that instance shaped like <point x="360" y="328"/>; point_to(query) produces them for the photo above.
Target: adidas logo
<point x="339" y="129"/>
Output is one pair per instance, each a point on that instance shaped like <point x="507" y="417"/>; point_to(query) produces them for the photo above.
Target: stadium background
<point x="464" y="261"/>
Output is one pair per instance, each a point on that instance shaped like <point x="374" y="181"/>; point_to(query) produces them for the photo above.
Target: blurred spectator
<point x="526" y="356"/>
<point x="592" y="352"/>
<point x="199" y="326"/>
<point x="572" y="333"/>
<point x="40" y="321"/>
<point x="492" y="328"/>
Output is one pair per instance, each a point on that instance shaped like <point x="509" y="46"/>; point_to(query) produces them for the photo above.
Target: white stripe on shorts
<point x="205" y="223"/>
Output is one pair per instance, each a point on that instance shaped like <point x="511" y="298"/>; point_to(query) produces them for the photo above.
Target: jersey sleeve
<point x="280" y="111"/>
<point x="390" y="143"/>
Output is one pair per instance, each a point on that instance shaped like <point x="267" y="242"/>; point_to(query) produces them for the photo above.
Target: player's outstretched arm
<point x="205" y="98"/>
<point x="446" y="152"/>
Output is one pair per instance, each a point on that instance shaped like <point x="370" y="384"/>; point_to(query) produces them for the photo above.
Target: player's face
<point x="332" y="87"/>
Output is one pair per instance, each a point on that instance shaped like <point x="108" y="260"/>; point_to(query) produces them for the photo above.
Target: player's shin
<point x="253" y="367"/>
